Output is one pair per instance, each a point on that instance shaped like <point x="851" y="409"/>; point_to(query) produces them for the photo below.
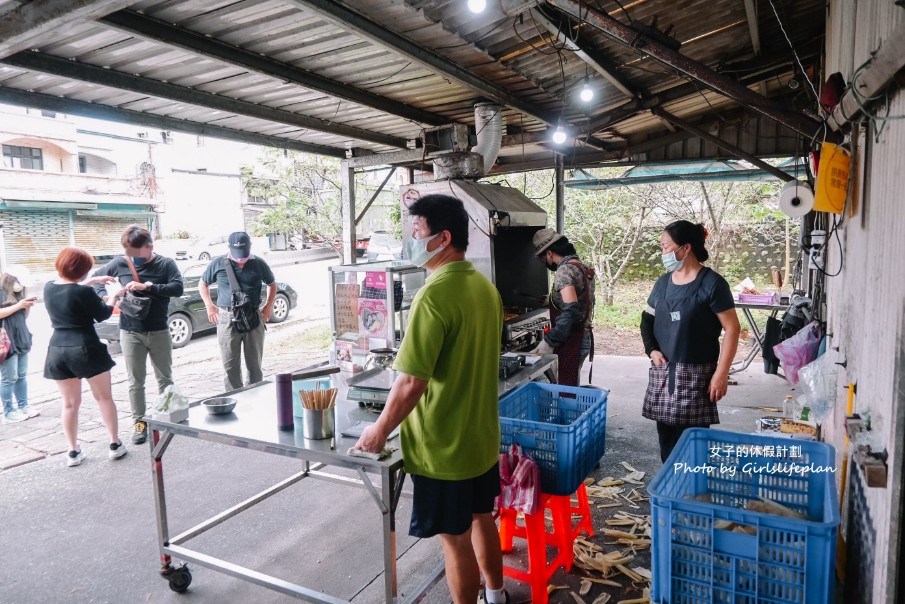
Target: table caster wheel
<point x="362" y="404"/>
<point x="179" y="578"/>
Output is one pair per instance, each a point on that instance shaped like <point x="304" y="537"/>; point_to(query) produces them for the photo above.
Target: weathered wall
<point x="865" y="303"/>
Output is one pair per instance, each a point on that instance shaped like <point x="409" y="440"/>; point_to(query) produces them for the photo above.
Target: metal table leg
<point x="759" y="338"/>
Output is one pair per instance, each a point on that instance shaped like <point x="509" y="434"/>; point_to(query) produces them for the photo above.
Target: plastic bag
<point x="818" y="382"/>
<point x="170" y="400"/>
<point x="519" y="481"/>
<point x="799" y="350"/>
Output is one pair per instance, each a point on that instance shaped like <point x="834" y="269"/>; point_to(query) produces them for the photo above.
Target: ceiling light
<point x="559" y="135"/>
<point x="477" y="6"/>
<point x="587" y="93"/>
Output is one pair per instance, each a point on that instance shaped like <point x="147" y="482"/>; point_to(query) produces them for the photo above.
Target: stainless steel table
<point x="746" y="309"/>
<point x="253" y="426"/>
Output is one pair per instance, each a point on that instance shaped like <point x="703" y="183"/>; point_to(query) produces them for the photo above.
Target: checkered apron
<point x="678" y="392"/>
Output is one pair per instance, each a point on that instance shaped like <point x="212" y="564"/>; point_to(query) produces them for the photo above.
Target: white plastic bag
<point x="818" y="381"/>
<point x="170" y="400"/>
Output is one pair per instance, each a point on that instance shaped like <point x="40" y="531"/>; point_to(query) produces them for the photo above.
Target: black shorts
<point x="67" y="362"/>
<point x="445" y="507"/>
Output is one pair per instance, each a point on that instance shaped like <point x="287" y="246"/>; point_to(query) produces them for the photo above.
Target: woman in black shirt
<point x="686" y="312"/>
<point x="75" y="351"/>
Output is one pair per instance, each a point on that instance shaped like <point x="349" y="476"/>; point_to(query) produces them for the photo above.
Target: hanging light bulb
<point x="587" y="93"/>
<point x="477" y="6"/>
<point x="559" y="135"/>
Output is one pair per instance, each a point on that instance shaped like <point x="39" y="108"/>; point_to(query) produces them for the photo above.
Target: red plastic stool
<point x="535" y="533"/>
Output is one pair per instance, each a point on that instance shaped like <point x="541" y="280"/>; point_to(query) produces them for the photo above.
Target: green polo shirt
<point x="453" y="342"/>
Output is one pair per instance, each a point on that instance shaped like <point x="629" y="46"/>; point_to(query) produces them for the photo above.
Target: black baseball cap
<point x="240" y="245"/>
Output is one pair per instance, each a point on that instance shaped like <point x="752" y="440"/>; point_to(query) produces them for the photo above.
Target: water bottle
<point x="788" y="407"/>
<point x="284" y="401"/>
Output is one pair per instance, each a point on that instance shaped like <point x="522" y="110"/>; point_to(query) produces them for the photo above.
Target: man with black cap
<point x="250" y="272"/>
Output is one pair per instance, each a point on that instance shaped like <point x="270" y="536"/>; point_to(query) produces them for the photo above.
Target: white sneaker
<point x="116" y="451"/>
<point x="29" y="412"/>
<point x="14" y="416"/>
<point x="74" y="458"/>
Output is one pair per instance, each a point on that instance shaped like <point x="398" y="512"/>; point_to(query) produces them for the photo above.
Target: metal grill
<point x="860" y="540"/>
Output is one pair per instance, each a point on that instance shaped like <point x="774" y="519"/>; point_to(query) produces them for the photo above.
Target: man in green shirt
<point x="445" y="397"/>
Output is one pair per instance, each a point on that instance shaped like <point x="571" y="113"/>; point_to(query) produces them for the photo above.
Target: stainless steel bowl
<point x="219" y="405"/>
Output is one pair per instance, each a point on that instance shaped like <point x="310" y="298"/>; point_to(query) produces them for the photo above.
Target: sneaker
<point x="141" y="433"/>
<point x="29" y="411"/>
<point x="14" y="416"/>
<point x="482" y="597"/>
<point x="116" y="451"/>
<point x="74" y="458"/>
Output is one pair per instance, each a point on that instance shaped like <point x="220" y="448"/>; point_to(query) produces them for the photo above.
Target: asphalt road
<point x="309" y="279"/>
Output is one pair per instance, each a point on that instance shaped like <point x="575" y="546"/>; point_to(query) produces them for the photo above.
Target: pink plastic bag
<point x="519" y="481"/>
<point x="799" y="350"/>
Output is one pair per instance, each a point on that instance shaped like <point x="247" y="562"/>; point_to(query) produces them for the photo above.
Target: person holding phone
<point x="14" y="308"/>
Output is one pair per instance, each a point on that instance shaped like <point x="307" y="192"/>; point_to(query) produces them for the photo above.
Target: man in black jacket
<point x="158" y="279"/>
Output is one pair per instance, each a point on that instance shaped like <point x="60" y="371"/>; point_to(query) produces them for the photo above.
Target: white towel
<point x="355" y="452"/>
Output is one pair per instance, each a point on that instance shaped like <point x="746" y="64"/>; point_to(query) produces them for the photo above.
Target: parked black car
<point x="188" y="315"/>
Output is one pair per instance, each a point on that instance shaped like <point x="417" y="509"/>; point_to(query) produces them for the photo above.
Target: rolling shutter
<point x="33" y="238"/>
<point x="101" y="235"/>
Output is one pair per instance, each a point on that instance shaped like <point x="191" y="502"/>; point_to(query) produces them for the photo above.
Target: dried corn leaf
<point x="552" y="588"/>
<point x="602" y="599"/>
<point x="578" y="599"/>
<point x="609" y="482"/>
<point x="608" y="505"/>
<point x="584" y="588"/>
<point x="635" y="577"/>
<point x="628" y="466"/>
<point x="644" y="572"/>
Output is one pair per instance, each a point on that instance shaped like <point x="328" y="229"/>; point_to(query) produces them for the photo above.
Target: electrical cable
<point x="804" y="73"/>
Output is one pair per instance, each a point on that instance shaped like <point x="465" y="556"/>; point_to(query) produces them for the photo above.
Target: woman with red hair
<point x="75" y="351"/>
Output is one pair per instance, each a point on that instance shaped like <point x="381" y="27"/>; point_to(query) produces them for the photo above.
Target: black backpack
<point x="245" y="314"/>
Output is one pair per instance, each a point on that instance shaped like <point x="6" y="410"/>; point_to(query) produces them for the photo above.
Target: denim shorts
<point x="445" y="507"/>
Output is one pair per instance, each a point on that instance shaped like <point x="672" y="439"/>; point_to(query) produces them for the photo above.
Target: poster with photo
<point x="372" y="318"/>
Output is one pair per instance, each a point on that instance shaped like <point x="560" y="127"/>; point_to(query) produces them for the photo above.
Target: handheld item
<point x="132" y="305"/>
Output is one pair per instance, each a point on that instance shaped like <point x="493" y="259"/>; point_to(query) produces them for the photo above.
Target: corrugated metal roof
<point x="515" y="54"/>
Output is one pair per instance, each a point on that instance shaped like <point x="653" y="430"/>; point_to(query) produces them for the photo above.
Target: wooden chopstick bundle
<point x="318" y="399"/>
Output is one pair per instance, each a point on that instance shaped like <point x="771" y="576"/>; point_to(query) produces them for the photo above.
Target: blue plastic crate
<point x="698" y="559"/>
<point x="562" y="428"/>
<point x="311" y="384"/>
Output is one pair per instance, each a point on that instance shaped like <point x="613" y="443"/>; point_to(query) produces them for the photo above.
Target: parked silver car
<point x="382" y="246"/>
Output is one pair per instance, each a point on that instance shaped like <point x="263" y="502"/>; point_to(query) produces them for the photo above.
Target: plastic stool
<point x="535" y="533"/>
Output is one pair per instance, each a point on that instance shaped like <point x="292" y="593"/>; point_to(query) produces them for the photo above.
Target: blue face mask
<point x="419" y="254"/>
<point x="138" y="260"/>
<point x="670" y="262"/>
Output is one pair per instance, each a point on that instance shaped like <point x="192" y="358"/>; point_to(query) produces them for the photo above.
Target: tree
<point x="302" y="192"/>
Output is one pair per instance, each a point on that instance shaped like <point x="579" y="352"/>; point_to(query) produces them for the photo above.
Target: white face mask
<point x="671" y="263"/>
<point x="419" y="254"/>
<point x="18" y="287"/>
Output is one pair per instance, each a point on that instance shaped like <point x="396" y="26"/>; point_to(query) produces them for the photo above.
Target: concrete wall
<point x="865" y="302"/>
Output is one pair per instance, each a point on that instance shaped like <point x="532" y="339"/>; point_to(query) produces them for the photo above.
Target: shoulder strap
<point x="132" y="266"/>
<point x="231" y="275"/>
<point x="589" y="275"/>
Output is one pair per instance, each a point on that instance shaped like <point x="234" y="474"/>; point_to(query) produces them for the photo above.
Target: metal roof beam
<point x="360" y="25"/>
<point x="594" y="58"/>
<point x="199" y="44"/>
<point x="14" y="96"/>
<point x="717" y="82"/>
<point x="784" y="176"/>
<point x="116" y="79"/>
<point x="626" y="110"/>
<point x="21" y="27"/>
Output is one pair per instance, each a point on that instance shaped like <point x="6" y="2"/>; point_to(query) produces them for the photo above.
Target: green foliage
<point x="629" y="300"/>
<point x="180" y="235"/>
<point x="302" y="193"/>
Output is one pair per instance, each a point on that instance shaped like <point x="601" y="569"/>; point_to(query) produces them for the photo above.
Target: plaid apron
<point x="678" y="392"/>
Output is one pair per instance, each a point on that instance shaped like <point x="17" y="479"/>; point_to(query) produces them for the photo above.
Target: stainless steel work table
<point x="253" y="426"/>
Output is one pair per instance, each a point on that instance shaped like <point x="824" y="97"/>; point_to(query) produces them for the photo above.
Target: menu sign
<point x="346" y="301"/>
